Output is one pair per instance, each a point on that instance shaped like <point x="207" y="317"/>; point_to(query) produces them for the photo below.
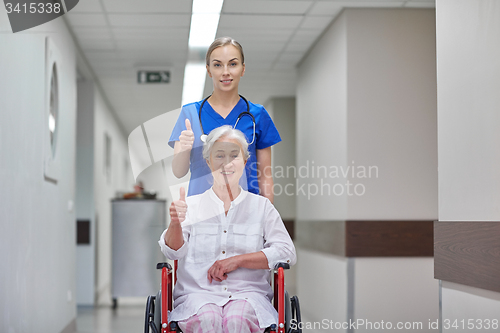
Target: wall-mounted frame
<point x="52" y="111"/>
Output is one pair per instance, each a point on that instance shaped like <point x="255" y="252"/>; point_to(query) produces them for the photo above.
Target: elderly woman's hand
<point x="178" y="208"/>
<point x="220" y="268"/>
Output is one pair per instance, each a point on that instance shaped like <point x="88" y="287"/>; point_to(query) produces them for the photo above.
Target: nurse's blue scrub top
<point x="266" y="135"/>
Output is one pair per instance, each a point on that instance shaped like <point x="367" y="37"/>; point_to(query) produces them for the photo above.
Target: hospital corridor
<point x="249" y="165"/>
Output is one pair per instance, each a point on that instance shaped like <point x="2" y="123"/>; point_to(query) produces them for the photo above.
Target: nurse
<point x="225" y="65"/>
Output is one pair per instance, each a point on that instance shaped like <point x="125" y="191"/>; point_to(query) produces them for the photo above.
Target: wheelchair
<point x="158" y="307"/>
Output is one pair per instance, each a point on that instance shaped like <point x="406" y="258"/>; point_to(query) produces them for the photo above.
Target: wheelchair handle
<point x="160" y="265"/>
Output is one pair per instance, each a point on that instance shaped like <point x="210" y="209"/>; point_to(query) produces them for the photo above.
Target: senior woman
<point x="226" y="240"/>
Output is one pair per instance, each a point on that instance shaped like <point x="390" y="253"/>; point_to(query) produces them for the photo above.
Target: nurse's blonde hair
<point x="223" y="41"/>
<point x="223" y="132"/>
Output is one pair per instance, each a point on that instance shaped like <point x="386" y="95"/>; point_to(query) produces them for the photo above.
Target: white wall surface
<point x="105" y="189"/>
<point x="282" y="111"/>
<point x="391" y="118"/>
<point x="321" y="287"/>
<point x="322" y="124"/>
<point x="37" y="220"/>
<point x="468" y="56"/>
<point x="395" y="290"/>
<point x="366" y="97"/>
<point x="468" y="80"/>
<point x="473" y="305"/>
<point x="84" y="196"/>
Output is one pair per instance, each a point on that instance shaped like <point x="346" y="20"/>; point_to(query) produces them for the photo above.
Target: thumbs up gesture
<point x="178" y="208"/>
<point x="187" y="137"/>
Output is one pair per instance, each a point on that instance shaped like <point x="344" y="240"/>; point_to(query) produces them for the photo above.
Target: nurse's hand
<point x="178" y="208"/>
<point x="220" y="268"/>
<point x="187" y="137"/>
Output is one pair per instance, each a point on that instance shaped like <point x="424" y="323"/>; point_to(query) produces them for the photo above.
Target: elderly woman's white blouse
<point x="252" y="224"/>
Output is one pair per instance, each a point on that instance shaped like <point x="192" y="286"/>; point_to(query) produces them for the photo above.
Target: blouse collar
<point x="236" y="200"/>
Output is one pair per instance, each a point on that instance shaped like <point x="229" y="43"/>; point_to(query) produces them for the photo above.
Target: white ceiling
<point x="119" y="37"/>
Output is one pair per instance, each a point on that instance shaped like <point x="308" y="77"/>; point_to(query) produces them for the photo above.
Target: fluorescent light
<point x="194" y="82"/>
<point x="207" y="6"/>
<point x="203" y="29"/>
<point x="204" y="24"/>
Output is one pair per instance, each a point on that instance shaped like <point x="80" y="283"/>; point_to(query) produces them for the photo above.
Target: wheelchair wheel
<point x="288" y="313"/>
<point x="150" y="309"/>
<point x="157" y="312"/>
<point x="296" y="313"/>
<point x="153" y="314"/>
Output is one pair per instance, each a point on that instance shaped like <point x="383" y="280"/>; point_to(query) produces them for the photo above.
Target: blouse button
<point x="229" y="296"/>
<point x="225" y="231"/>
<point x="223" y="252"/>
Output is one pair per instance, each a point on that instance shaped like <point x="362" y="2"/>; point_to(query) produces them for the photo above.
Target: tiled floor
<point x="125" y="319"/>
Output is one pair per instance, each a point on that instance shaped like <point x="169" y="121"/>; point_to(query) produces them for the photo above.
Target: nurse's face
<point x="226" y="162"/>
<point x="225" y="68"/>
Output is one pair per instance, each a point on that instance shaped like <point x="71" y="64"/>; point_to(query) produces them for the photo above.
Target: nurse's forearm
<point x="266" y="187"/>
<point x="255" y="260"/>
<point x="180" y="163"/>
<point x="264" y="173"/>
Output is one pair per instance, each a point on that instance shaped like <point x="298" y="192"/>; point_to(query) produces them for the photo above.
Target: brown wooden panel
<point x="389" y="238"/>
<point x="468" y="253"/>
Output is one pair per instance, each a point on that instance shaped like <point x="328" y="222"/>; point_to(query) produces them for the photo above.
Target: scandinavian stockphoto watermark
<point x="311" y="179"/>
<point x="382" y="325"/>
<point x="28" y="14"/>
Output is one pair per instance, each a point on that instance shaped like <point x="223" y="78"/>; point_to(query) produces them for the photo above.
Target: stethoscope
<point x="203" y="136"/>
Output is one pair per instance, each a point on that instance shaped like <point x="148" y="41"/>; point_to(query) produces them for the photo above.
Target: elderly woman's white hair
<point x="228" y="132"/>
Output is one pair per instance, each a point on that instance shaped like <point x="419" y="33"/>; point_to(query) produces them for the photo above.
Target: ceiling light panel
<point x="101" y="55"/>
<point x="92" y="33"/>
<point x="96" y="45"/>
<point x="370" y="3"/>
<point x="172" y="34"/>
<point x="256" y="35"/>
<point x="266" y="7"/>
<point x="149" y="20"/>
<point x="316" y="22"/>
<point x="147" y="6"/>
<point x="325" y="8"/>
<point x="269" y="22"/>
<point x="88" y="6"/>
<point x="86" y="19"/>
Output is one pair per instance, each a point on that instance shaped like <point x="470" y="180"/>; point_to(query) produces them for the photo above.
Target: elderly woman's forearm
<point x="255" y="260"/>
<point x="173" y="236"/>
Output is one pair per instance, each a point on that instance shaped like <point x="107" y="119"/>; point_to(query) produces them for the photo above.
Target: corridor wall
<point x="366" y="113"/>
<point x="37" y="218"/>
<point x="98" y="182"/>
<point x="468" y="81"/>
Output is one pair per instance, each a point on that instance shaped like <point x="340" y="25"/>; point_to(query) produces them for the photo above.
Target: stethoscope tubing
<point x="203" y="136"/>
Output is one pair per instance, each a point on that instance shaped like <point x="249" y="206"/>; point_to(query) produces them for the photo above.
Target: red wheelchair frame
<point x="288" y="308"/>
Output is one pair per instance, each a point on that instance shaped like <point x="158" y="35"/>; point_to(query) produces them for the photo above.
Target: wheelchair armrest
<point x="282" y="264"/>
<point x="160" y="265"/>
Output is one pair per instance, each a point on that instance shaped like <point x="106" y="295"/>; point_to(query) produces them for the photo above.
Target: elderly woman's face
<point x="226" y="161"/>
